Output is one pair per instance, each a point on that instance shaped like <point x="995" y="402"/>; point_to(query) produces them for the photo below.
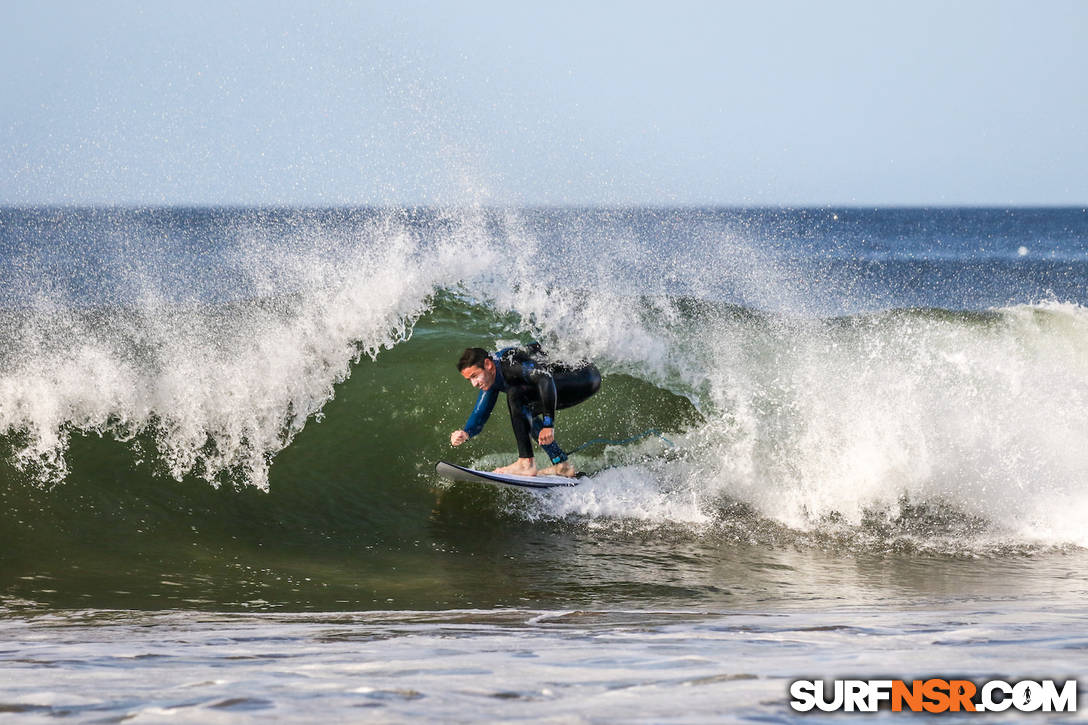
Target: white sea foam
<point x="805" y="418"/>
<point x="223" y="388"/>
<point x="506" y="665"/>
<point x="808" y="420"/>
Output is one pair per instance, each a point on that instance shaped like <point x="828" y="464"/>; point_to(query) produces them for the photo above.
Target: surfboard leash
<point x="625" y="441"/>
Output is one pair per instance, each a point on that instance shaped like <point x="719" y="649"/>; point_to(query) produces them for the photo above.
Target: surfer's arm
<point x="545" y="385"/>
<point x="549" y="397"/>
<point x="485" y="403"/>
<point x="535" y="372"/>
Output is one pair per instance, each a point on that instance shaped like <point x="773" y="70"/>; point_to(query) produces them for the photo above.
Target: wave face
<point x="891" y="377"/>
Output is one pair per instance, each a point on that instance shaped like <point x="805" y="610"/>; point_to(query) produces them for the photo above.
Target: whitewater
<point x="221" y="424"/>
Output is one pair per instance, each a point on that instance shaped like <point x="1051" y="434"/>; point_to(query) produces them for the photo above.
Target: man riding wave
<point x="535" y="389"/>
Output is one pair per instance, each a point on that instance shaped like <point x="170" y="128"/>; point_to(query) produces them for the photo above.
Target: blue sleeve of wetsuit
<point x="485" y="402"/>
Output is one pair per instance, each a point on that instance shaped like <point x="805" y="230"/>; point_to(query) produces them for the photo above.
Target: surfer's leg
<point x="571" y="388"/>
<point x="520" y="419"/>
<point x="566" y="468"/>
<point x="560" y="466"/>
<point x="520" y="467"/>
<point x="521" y="422"/>
<point x="555" y="453"/>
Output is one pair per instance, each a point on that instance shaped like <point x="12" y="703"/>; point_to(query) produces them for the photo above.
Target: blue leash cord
<point x="625" y="441"/>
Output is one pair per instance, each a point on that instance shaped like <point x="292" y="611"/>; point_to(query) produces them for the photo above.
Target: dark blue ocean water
<point x="850" y="260"/>
<point x="839" y="260"/>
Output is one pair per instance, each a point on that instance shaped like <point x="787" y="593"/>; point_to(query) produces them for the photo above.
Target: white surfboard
<point x="460" y="473"/>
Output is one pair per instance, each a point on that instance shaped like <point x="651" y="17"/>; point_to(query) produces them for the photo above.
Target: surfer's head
<point x="477" y="367"/>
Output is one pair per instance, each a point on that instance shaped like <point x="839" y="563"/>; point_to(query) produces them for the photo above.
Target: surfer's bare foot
<point x="520" y="467"/>
<point x="559" y="469"/>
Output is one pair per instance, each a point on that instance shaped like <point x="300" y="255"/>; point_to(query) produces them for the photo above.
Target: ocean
<point x="219" y="429"/>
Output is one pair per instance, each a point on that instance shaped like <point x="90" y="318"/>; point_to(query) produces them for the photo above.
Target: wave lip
<point x="220" y="387"/>
<point x="800" y="416"/>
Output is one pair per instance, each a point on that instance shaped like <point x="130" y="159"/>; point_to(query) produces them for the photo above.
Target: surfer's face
<point x="480" y="377"/>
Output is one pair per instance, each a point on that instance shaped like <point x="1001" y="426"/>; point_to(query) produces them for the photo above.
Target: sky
<point x="238" y="102"/>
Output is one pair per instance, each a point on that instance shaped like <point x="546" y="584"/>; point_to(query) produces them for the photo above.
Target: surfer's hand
<point x="547" y="435"/>
<point x="458" y="437"/>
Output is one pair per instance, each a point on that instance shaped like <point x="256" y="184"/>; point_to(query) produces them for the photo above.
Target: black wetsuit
<point x="535" y="389"/>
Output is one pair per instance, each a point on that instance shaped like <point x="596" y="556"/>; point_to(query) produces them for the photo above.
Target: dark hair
<point x="472" y="357"/>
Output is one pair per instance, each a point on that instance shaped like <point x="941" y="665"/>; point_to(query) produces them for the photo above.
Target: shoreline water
<point x="461" y="666"/>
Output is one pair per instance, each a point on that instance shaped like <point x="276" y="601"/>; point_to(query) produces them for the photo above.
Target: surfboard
<point x="460" y="473"/>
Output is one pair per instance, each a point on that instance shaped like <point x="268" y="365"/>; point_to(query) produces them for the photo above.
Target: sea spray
<point x="215" y="367"/>
<point x="836" y="421"/>
<point x="222" y="385"/>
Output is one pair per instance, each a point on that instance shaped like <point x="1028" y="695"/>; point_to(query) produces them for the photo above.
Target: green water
<point x="354" y="516"/>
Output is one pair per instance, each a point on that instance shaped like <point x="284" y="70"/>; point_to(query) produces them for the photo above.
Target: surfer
<point x="535" y="389"/>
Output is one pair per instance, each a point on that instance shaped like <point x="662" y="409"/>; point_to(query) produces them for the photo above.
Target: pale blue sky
<point x="794" y="103"/>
